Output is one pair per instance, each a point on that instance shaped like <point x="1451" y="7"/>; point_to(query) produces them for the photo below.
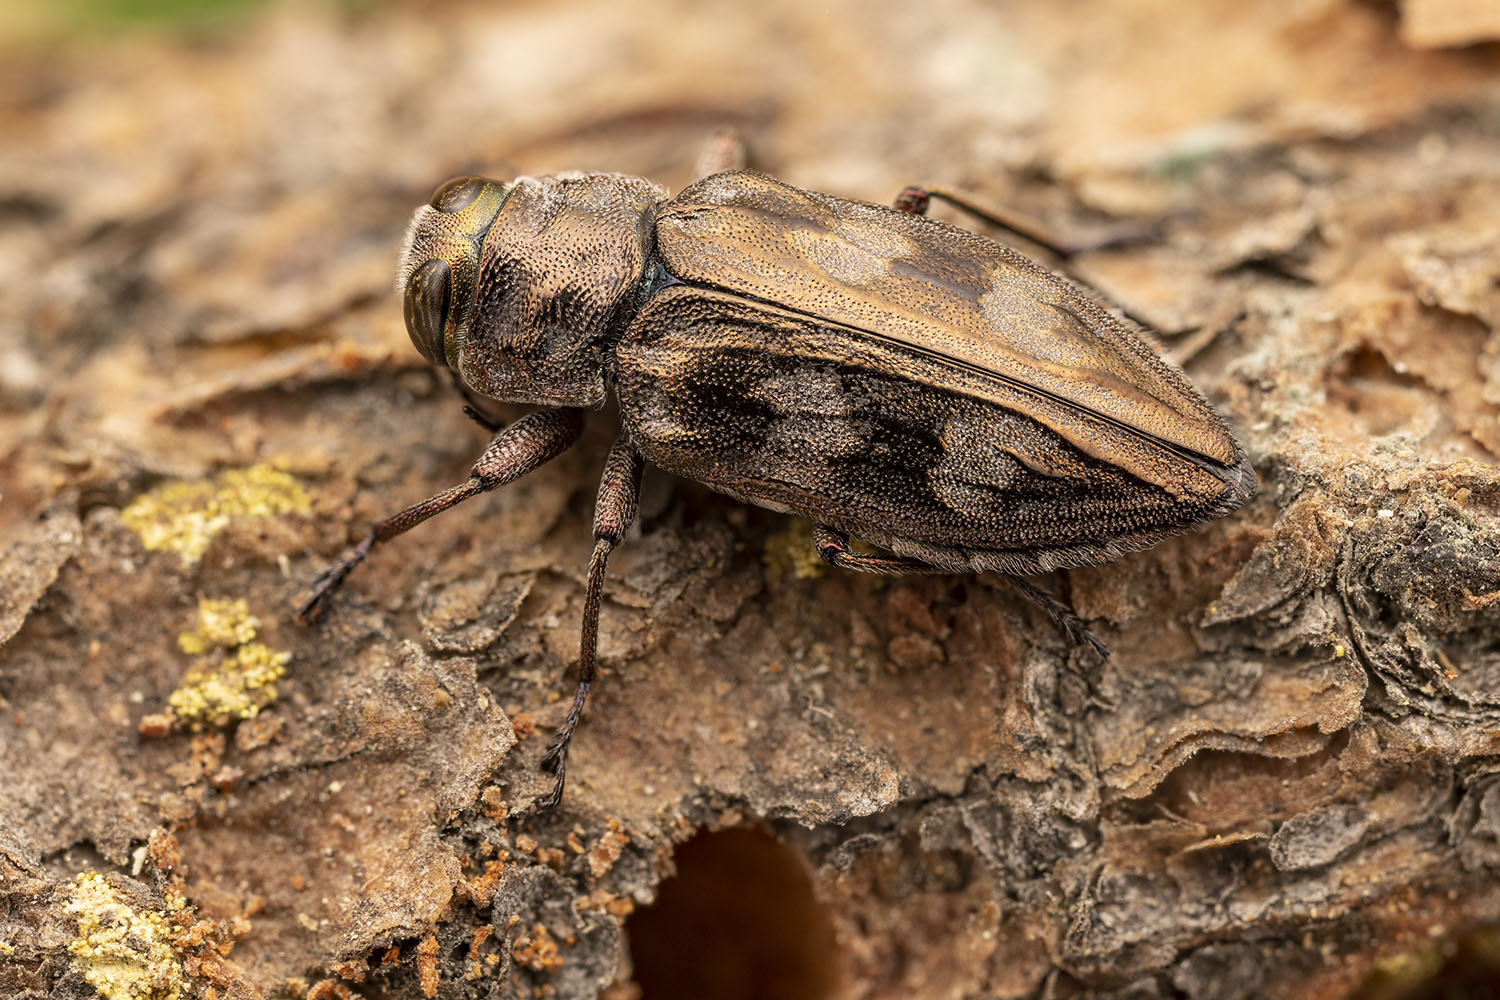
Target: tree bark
<point x="1285" y="782"/>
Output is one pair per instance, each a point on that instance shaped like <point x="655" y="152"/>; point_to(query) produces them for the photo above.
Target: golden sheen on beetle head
<point x="439" y="266"/>
<point x="522" y="288"/>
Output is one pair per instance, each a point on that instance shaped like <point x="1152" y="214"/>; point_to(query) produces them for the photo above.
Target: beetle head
<point x="523" y="288"/>
<point x="439" y="266"/>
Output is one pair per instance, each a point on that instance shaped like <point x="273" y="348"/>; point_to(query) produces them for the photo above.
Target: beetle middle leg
<point x="833" y="546"/>
<point x="531" y="441"/>
<point x="614" y="510"/>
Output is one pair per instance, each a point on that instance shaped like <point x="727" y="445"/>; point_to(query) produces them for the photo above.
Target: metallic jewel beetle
<point x="891" y="377"/>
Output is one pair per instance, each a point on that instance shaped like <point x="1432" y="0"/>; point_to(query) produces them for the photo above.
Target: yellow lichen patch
<point x="185" y="515"/>
<point x="235" y="676"/>
<point x="222" y="622"/>
<point x="229" y="686"/>
<point x="791" y="552"/>
<point x="124" y="954"/>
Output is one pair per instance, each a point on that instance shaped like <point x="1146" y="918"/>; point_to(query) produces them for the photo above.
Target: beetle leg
<point x="614" y="510"/>
<point x="913" y="199"/>
<point x="833" y="546"/>
<point x="533" y="440"/>
<point x="1064" y="616"/>
<point x="473" y="407"/>
<point x="724" y="150"/>
<point x="491" y="425"/>
<point x="916" y="199"/>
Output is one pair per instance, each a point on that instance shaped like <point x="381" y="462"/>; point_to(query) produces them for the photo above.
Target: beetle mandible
<point x="892" y="378"/>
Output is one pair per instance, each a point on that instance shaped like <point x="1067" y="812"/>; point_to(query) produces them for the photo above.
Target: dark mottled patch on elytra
<point x="789" y="412"/>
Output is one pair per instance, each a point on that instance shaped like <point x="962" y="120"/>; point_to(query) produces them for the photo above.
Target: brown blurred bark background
<point x="1286" y="782"/>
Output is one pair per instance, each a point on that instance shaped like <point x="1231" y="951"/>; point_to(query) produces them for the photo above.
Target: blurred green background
<point x="29" y="21"/>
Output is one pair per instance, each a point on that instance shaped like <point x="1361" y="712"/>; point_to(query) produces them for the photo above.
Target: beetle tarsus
<point x="1060" y="613"/>
<point x="556" y="761"/>
<point x="329" y="580"/>
<point x="474" y="404"/>
<point x="556" y="757"/>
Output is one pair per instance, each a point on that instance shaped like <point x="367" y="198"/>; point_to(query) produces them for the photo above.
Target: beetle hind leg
<point x="614" y="510"/>
<point x="833" y="546"/>
<point x="915" y="199"/>
<point x="1064" y="617"/>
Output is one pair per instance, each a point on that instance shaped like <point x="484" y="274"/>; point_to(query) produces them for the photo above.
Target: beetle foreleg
<point x="533" y="440"/>
<point x="614" y="510"/>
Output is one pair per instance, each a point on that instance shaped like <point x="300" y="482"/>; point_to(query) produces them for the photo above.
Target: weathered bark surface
<point x="1287" y="776"/>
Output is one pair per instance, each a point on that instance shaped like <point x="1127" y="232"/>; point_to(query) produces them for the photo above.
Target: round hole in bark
<point x="738" y="920"/>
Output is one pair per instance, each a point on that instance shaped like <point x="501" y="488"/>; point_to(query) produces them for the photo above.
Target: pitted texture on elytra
<point x="941" y="290"/>
<point x="950" y="466"/>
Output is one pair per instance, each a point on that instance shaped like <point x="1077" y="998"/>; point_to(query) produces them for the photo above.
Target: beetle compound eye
<point x="455" y="195"/>
<point x="429" y="295"/>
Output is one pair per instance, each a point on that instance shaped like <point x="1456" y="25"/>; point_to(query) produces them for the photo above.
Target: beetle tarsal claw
<point x="1064" y="616"/>
<point x="328" y="581"/>
<point x="556" y="761"/>
<point x="1099" y="647"/>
